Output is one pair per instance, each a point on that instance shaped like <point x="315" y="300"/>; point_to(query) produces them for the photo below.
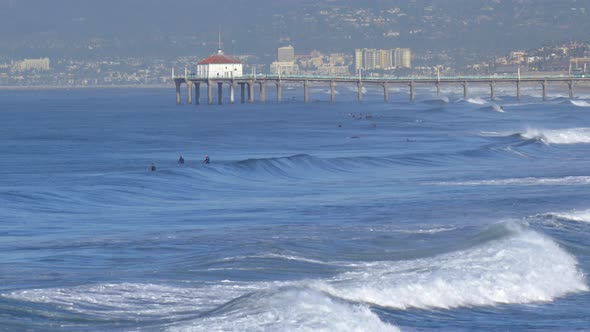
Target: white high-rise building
<point x="286" y="54"/>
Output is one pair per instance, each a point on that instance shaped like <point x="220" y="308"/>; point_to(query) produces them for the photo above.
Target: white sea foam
<point x="528" y="181"/>
<point x="581" y="216"/>
<point x="560" y="136"/>
<point x="580" y="103"/>
<point x="521" y="267"/>
<point x="497" y="108"/>
<point x="290" y="309"/>
<point x="476" y="100"/>
<point x="525" y="267"/>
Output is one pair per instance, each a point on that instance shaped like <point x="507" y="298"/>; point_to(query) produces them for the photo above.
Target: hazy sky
<point x="178" y="27"/>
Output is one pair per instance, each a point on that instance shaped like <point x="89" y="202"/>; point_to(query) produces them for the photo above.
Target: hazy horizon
<point x="156" y="28"/>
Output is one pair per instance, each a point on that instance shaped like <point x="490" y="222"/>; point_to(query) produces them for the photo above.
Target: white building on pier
<point x="219" y="66"/>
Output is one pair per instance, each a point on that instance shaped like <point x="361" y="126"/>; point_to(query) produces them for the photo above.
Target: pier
<point x="248" y="85"/>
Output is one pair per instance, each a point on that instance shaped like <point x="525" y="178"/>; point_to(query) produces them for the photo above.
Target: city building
<point x="402" y="58"/>
<point x="517" y="57"/>
<point x="219" y="65"/>
<point x="286" y="54"/>
<point x="372" y="59"/>
<point x="358" y="59"/>
<point x="580" y="65"/>
<point x="32" y="64"/>
<point x="284" y="68"/>
<point x="285" y="64"/>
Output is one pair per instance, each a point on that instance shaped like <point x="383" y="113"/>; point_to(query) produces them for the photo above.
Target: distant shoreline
<point x="79" y="87"/>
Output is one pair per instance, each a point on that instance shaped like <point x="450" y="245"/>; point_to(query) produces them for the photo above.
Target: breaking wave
<point x="506" y="264"/>
<point x="580" y="216"/>
<point x="580" y="103"/>
<point x="528" y="181"/>
<point x="560" y="136"/>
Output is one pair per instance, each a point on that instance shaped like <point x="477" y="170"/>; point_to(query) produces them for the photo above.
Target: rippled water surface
<point x="440" y="214"/>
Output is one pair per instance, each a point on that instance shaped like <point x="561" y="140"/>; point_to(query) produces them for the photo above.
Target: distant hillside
<point x="156" y="28"/>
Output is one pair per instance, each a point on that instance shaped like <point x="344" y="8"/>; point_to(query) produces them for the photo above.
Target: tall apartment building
<point x="371" y="59"/>
<point x="286" y="62"/>
<point x="286" y="54"/>
<point x="402" y="58"/>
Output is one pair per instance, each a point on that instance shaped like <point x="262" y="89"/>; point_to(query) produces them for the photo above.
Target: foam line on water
<point x="560" y="136"/>
<point x="524" y="267"/>
<point x="528" y="181"/>
<point x="576" y="215"/>
<point x="506" y="264"/>
<point x="580" y="103"/>
<point x="291" y="309"/>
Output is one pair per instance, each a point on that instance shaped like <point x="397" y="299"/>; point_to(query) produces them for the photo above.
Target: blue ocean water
<point x="439" y="214"/>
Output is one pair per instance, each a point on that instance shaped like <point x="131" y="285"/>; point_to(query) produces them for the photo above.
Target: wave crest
<point x="523" y="267"/>
<point x="560" y="136"/>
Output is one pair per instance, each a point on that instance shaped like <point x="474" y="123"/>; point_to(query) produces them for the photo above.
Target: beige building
<point x="402" y="58"/>
<point x="284" y="68"/>
<point x="286" y="54"/>
<point x="32" y="64"/>
<point x="371" y="58"/>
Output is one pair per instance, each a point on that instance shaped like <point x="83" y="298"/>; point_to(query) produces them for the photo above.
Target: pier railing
<point x="247" y="84"/>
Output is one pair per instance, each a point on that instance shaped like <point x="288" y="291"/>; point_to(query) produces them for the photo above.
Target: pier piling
<point x="332" y="91"/>
<point x="359" y="86"/>
<point x="279" y="91"/>
<point x="231" y="92"/>
<point x="262" y="85"/>
<point x="219" y="93"/>
<point x="189" y="92"/>
<point x="177" y="83"/>
<point x="209" y="92"/>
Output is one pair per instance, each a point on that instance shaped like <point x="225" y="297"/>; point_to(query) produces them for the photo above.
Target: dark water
<point x="442" y="214"/>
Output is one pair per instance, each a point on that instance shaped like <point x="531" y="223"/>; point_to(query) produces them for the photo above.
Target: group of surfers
<point x="181" y="161"/>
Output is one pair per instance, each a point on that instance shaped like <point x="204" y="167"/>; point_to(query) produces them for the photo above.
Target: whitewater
<point x="443" y="214"/>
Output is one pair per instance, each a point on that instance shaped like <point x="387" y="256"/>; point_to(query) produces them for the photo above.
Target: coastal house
<point x="219" y="65"/>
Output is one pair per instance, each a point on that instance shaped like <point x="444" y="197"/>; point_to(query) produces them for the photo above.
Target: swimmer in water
<point x="152" y="167"/>
<point x="206" y="161"/>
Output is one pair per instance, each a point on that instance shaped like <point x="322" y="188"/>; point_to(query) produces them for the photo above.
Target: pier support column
<point x="197" y="93"/>
<point x="518" y="89"/>
<point x="492" y="90"/>
<point x="465" y="90"/>
<point x="359" y="87"/>
<point x="219" y="93"/>
<point x="332" y="91"/>
<point x="305" y="91"/>
<point x="279" y="91"/>
<point x="262" y="85"/>
<point x="209" y="92"/>
<point x="386" y="92"/>
<point x="412" y="92"/>
<point x="177" y="83"/>
<point x="570" y="87"/>
<point x="544" y="86"/>
<point x="437" y="89"/>
<point x="232" y="98"/>
<point x="189" y="92"/>
<point x="242" y="92"/>
<point x="251" y="92"/>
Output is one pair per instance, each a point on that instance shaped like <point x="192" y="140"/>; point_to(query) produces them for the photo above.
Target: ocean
<point x="441" y="214"/>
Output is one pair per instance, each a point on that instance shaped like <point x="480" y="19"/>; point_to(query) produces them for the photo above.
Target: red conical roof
<point x="218" y="58"/>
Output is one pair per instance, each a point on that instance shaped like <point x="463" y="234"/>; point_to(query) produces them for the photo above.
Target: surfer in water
<point x="180" y="160"/>
<point x="152" y="167"/>
<point x="206" y="160"/>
